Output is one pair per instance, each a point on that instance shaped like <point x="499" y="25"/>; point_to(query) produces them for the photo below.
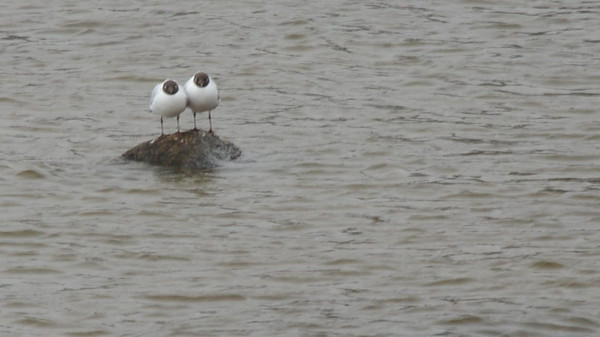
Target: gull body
<point x="168" y="100"/>
<point x="203" y="95"/>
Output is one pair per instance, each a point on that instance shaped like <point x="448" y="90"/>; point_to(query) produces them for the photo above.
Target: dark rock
<point x="194" y="149"/>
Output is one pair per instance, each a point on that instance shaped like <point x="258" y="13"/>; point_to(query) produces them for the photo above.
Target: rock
<point x="194" y="149"/>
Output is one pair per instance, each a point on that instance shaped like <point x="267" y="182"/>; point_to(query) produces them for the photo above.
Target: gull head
<point x="170" y="87"/>
<point x="201" y="79"/>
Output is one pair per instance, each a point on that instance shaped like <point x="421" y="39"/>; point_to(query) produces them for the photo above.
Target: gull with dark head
<point x="203" y="95"/>
<point x="168" y="101"/>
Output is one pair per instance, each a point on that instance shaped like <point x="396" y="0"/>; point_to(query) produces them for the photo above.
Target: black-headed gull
<point x="203" y="95"/>
<point x="168" y="101"/>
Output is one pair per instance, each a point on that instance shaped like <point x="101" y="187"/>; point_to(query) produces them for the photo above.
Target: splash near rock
<point x="194" y="149"/>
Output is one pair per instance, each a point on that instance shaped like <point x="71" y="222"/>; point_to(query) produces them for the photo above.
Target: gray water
<point x="409" y="168"/>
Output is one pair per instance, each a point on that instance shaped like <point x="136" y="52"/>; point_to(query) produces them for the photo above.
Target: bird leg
<point x="177" y="123"/>
<point x="162" y="133"/>
<point x="195" y="128"/>
<point x="210" y="122"/>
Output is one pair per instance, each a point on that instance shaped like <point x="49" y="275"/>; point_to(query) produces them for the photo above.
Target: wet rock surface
<point x="194" y="149"/>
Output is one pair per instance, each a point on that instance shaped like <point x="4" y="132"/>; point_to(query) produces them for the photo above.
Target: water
<point x="409" y="169"/>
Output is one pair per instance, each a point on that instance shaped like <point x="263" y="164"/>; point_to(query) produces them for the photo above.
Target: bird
<point x="203" y="95"/>
<point x="168" y="100"/>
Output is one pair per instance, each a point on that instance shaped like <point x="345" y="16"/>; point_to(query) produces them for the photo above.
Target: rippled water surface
<point x="409" y="168"/>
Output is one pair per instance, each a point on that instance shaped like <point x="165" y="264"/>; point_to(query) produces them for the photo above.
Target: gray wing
<point x="188" y="82"/>
<point x="185" y="89"/>
<point x="155" y="91"/>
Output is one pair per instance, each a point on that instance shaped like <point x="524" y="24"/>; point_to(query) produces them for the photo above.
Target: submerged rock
<point x="194" y="149"/>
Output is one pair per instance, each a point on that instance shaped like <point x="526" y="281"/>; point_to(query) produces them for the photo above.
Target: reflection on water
<point x="407" y="169"/>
